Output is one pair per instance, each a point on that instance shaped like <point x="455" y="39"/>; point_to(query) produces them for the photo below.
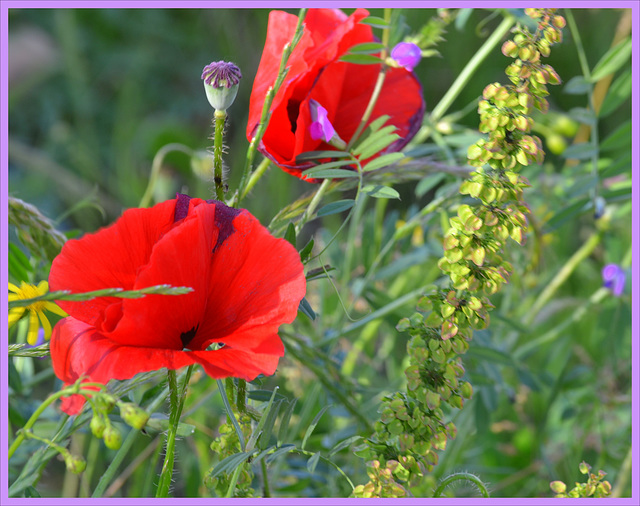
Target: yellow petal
<point x="15" y="314"/>
<point x="32" y="335"/>
<point x="14" y="288"/>
<point x="54" y="308"/>
<point x="45" y="325"/>
<point x="13" y="296"/>
<point x="43" y="287"/>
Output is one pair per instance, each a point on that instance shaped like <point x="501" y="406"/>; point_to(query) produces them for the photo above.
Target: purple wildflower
<point x="321" y="128"/>
<point x="614" y="277"/>
<point x="407" y="54"/>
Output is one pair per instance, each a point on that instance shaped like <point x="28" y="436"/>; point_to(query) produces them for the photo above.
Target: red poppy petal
<point x="182" y="257"/>
<point x="129" y="240"/>
<point x="77" y="349"/>
<point x="259" y="282"/>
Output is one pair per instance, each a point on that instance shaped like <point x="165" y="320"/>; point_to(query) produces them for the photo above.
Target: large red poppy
<point x="245" y="282"/>
<point x="343" y="89"/>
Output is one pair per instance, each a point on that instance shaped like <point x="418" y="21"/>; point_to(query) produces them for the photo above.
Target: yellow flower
<point x="36" y="309"/>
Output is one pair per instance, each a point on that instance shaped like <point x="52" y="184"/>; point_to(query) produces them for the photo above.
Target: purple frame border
<point x="269" y="4"/>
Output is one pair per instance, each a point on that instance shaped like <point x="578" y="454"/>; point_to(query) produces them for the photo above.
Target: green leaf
<point x="618" y="166"/>
<point x="319" y="155"/>
<point x="383" y="161"/>
<point x="580" y="151"/>
<point x="263" y="440"/>
<point x="375" y="22"/>
<point x="572" y="210"/>
<point x="19" y="265"/>
<point x="313" y="426"/>
<point x="328" y="165"/>
<point x="612" y="60"/>
<point x="577" y="85"/>
<point x="366" y="48"/>
<point x="264" y="395"/>
<point x="280" y="451"/>
<point x="360" y="59"/>
<point x="305" y="308"/>
<point x="620" y="139"/>
<point x="284" y="422"/>
<point x="376" y="142"/>
<point x="490" y="355"/>
<point x="344" y="444"/>
<point x="583" y="115"/>
<point x="257" y="432"/>
<point x="306" y="251"/>
<point x="290" y="234"/>
<point x="230" y="463"/>
<point x="313" y="462"/>
<point x="330" y="173"/>
<point x="618" y="93"/>
<point x="158" y="423"/>
<point x="428" y="183"/>
<point x="377" y="123"/>
<point x="335" y="207"/>
<point x="381" y="192"/>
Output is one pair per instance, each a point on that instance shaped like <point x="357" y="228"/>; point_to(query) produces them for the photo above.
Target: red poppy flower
<point x="343" y="89"/>
<point x="245" y="282"/>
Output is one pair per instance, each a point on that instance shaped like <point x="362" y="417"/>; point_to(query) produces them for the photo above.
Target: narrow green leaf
<point x="618" y="93"/>
<point x="313" y="462"/>
<point x="230" y="413"/>
<point x="284" y="422"/>
<point x="290" y="235"/>
<point x="344" y="444"/>
<point x="264" y="395"/>
<point x="383" y="161"/>
<point x="580" y="151"/>
<point x="619" y="139"/>
<point x="324" y="166"/>
<point x="306" y="251"/>
<point x="583" y="115"/>
<point x="263" y="440"/>
<point x="360" y="59"/>
<point x="577" y="85"/>
<point x="374" y="139"/>
<point x="305" y="308"/>
<point x="319" y="155"/>
<point x="366" y="48"/>
<point x="280" y="451"/>
<point x="313" y="426"/>
<point x="562" y="216"/>
<point x="377" y="123"/>
<point x="381" y="192"/>
<point x="230" y="463"/>
<point x="257" y="432"/>
<point x="428" y="183"/>
<point x="618" y="166"/>
<point x="375" y="22"/>
<point x="612" y="60"/>
<point x="330" y="173"/>
<point x="335" y="207"/>
<point x="490" y="355"/>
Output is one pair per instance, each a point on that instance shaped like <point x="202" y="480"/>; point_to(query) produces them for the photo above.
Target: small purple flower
<point x="614" y="277"/>
<point x="407" y="54"/>
<point x="321" y="128"/>
<point x="221" y="81"/>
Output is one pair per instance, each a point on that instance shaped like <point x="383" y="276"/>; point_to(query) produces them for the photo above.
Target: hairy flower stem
<point x="255" y="176"/>
<point x="176" y="400"/>
<point x="156" y="165"/>
<point x="219" y="118"/>
<point x="313" y="205"/>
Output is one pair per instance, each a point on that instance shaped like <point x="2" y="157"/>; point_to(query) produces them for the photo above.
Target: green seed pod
<point x="112" y="437"/>
<point x="133" y="415"/>
<point x="97" y="425"/>
<point x="75" y="463"/>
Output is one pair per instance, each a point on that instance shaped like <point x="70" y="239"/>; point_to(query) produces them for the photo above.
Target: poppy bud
<point x="133" y="415"/>
<point x="407" y="55"/>
<point x="221" y="81"/>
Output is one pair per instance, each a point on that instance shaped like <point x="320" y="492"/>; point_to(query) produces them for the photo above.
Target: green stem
<point x="176" y="399"/>
<point x="461" y="476"/>
<point x="313" y="205"/>
<point x="562" y="275"/>
<point x="378" y="86"/>
<point x="264" y="118"/>
<point x="156" y="165"/>
<point x="255" y="177"/>
<point x="234" y="480"/>
<point x="623" y="475"/>
<point x="241" y="396"/>
<point x="464" y="77"/>
<point x="73" y="389"/>
<point x="219" y="118"/>
<point x="265" y="479"/>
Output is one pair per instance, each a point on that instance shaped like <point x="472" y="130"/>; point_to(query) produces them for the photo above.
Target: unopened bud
<point x="133" y="415"/>
<point x="97" y="426"/>
<point x="75" y="463"/>
<point x="112" y="438"/>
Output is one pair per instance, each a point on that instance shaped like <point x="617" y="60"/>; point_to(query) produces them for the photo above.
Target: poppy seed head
<point x="221" y="74"/>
